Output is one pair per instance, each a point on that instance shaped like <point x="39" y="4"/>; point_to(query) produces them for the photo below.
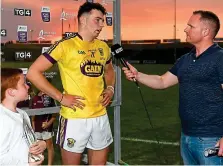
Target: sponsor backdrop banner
<point x="45" y="14"/>
<point x="22" y="33"/>
<point x="44" y="49"/>
<point x="109" y="19"/>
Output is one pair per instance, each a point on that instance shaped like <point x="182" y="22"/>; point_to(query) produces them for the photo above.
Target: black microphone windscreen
<point x="117" y="51"/>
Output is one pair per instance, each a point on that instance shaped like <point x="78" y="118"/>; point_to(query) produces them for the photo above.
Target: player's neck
<point x="9" y="104"/>
<point x="85" y="36"/>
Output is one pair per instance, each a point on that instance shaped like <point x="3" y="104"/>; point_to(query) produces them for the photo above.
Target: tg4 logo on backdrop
<point x="22" y="12"/>
<point x="3" y="32"/>
<point x="23" y="55"/>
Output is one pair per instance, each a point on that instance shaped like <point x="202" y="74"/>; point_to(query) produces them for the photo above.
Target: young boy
<point x="14" y="149"/>
<point x="43" y="124"/>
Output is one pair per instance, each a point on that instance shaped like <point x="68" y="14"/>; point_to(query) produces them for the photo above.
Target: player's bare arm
<point x="110" y="82"/>
<point x="36" y="77"/>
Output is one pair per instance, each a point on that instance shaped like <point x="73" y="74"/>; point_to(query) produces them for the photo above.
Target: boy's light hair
<point x="9" y="79"/>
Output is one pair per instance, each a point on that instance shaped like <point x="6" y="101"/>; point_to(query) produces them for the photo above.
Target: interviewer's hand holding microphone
<point x="131" y="73"/>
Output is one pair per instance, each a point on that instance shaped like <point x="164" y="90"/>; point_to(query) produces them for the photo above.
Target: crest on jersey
<point x="101" y="51"/>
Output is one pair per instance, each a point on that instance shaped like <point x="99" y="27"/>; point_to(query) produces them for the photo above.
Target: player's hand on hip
<point x="130" y="74"/>
<point x="38" y="162"/>
<point x="220" y="145"/>
<point x="73" y="101"/>
<point x="38" y="147"/>
<point x="107" y="95"/>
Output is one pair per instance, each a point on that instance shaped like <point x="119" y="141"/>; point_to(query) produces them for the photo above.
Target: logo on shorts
<point x="70" y="142"/>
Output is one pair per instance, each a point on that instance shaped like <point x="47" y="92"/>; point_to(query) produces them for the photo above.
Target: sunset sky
<point x="140" y="19"/>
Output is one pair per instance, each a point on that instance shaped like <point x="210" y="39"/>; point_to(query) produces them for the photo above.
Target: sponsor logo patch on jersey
<point x="91" y="68"/>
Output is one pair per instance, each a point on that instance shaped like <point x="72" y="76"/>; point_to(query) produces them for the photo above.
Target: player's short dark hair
<point x="88" y="7"/>
<point x="211" y="18"/>
<point x="9" y="79"/>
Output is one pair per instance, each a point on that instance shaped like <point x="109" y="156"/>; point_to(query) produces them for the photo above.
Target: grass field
<point x="162" y="106"/>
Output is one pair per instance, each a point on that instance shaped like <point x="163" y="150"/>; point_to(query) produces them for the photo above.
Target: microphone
<point x="118" y="52"/>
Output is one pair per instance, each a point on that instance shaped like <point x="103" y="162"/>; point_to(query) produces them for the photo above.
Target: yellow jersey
<point x="81" y="65"/>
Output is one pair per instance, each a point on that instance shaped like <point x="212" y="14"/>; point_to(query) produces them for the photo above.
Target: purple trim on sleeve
<point x="79" y="36"/>
<point x="109" y="61"/>
<point x="49" y="58"/>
